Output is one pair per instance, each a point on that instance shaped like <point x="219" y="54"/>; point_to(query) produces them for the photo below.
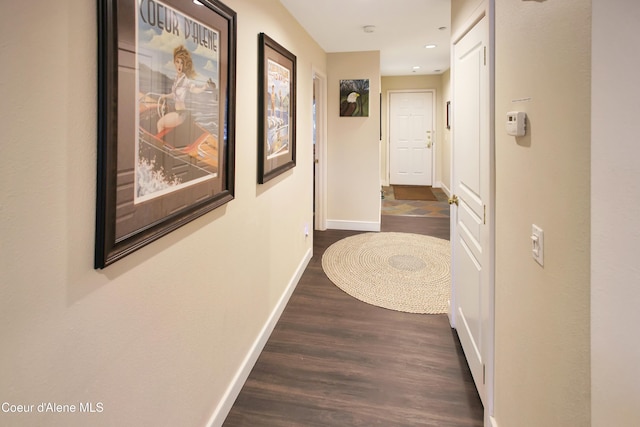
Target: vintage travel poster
<point x="177" y="79"/>
<point x="278" y="104"/>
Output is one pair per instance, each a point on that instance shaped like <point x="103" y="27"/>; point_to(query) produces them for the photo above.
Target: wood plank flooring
<point x="335" y="361"/>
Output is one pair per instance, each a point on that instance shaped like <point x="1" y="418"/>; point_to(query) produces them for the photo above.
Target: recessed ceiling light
<point x="369" y="28"/>
<point x="416" y="67"/>
<point x="430" y="46"/>
<point x="442" y="28"/>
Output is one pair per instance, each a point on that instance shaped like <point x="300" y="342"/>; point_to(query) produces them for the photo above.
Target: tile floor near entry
<point x="419" y="208"/>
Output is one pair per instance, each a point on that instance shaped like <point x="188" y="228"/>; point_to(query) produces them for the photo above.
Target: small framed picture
<point x="276" y="109"/>
<point x="354" y="98"/>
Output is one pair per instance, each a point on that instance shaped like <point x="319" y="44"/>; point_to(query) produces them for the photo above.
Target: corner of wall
<point x="353" y="145"/>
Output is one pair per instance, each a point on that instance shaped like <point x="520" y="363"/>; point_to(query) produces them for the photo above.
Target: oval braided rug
<point x="399" y="271"/>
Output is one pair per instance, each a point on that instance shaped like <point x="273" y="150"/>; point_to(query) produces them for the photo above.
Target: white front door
<point x="471" y="224"/>
<point x="411" y="137"/>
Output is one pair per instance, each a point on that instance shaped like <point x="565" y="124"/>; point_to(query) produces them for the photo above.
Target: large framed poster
<point x="276" y="109"/>
<point x="166" y="118"/>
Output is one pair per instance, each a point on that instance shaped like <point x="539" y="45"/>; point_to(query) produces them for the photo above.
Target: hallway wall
<point x="353" y="146"/>
<point x="542" y="67"/>
<point x="445" y="143"/>
<point x="615" y="209"/>
<point x="159" y="337"/>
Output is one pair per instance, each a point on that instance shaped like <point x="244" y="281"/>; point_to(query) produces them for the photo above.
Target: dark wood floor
<point x="335" y="361"/>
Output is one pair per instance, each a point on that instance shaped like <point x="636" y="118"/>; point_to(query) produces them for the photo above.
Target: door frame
<point x="319" y="84"/>
<point x="485" y="9"/>
<point x="434" y="146"/>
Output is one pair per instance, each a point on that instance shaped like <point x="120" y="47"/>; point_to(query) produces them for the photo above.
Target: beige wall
<point x="445" y="144"/>
<point x="542" y="345"/>
<point x="615" y="209"/>
<point x="159" y="336"/>
<point x="353" y="146"/>
<point x="461" y="10"/>
<point x="542" y="67"/>
<point x="399" y="83"/>
<point x="157" y="344"/>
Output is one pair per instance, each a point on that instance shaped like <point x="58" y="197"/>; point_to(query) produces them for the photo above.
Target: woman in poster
<point x="182" y="85"/>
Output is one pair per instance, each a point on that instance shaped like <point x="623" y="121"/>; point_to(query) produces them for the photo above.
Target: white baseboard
<point x="353" y="225"/>
<point x="232" y="392"/>
<point x="445" y="189"/>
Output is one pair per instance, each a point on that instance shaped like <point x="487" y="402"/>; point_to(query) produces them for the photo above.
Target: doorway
<point x="319" y="151"/>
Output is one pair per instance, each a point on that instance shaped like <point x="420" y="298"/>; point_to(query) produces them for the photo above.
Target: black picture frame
<point x="166" y="119"/>
<point x="448" y="114"/>
<point x="276" y="109"/>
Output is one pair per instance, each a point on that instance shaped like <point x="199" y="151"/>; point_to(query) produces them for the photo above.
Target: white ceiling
<point x="402" y="29"/>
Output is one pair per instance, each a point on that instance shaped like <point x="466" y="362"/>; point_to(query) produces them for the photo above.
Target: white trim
<point x="491" y="333"/>
<point x="233" y="390"/>
<point x="481" y="11"/>
<point x="434" y="145"/>
<point x="493" y="422"/>
<point x="336" y="224"/>
<point x="320" y="184"/>
<point x="446" y="189"/>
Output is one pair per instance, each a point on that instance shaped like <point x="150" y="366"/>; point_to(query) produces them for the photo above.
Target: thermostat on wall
<point x="516" y="123"/>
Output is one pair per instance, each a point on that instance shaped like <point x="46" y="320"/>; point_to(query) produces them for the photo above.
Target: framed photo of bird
<point x="276" y="109"/>
<point x="354" y="98"/>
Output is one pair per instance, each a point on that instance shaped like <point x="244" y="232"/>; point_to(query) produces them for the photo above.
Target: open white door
<point x="471" y="187"/>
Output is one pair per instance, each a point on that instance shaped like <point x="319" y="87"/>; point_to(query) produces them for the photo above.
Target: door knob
<point x="453" y="199"/>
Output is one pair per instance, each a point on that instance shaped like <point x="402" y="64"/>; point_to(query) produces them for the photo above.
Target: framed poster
<point x="354" y="98"/>
<point x="276" y="109"/>
<point x="166" y="118"/>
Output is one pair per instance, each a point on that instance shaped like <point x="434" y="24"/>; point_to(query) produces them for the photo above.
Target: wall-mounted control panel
<point x="516" y="123"/>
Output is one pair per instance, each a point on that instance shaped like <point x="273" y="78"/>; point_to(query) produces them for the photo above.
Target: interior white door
<point x="411" y="137"/>
<point x="471" y="226"/>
